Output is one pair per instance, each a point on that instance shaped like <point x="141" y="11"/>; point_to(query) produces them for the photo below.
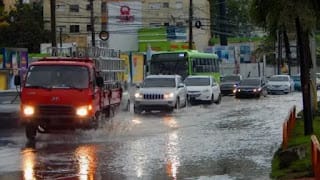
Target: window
<point x="154" y="6"/>
<point x="179" y="24"/>
<point x="89" y="27"/>
<point x="165" y="5"/>
<point x="204" y="65"/>
<point x="88" y="7"/>
<point x="74" y="28"/>
<point x="179" y="5"/>
<point x="74" y="8"/>
<point x="60" y="7"/>
<point x="103" y="7"/>
<point x="155" y="24"/>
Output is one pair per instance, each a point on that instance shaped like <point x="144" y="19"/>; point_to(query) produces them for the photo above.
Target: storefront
<point x="13" y="61"/>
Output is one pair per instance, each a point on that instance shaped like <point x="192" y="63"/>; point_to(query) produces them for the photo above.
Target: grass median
<point x="300" y="167"/>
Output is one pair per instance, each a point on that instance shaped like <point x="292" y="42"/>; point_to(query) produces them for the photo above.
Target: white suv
<point x="160" y="92"/>
<point x="203" y="88"/>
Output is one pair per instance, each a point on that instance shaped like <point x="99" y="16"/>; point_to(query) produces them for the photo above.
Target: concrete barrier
<point x="288" y="126"/>
<point x="315" y="156"/>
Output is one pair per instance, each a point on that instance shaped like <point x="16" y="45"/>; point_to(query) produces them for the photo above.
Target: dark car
<point x="229" y="83"/>
<point x="251" y="87"/>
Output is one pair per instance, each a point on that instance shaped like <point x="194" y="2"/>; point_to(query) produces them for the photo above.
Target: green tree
<point x="25" y="29"/>
<point x="236" y="20"/>
<point x="289" y="16"/>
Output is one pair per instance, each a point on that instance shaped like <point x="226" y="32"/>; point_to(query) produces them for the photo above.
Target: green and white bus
<point x="184" y="63"/>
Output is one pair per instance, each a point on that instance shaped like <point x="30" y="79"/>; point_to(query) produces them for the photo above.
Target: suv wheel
<point x="218" y="100"/>
<point x="136" y="110"/>
<point x="177" y="103"/>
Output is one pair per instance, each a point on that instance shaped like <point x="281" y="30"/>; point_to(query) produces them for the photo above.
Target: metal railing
<point x="83" y="52"/>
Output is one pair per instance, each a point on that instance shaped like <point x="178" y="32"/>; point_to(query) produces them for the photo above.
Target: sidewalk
<point x="9" y="109"/>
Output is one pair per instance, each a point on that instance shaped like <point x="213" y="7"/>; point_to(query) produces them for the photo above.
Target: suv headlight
<point x="168" y="95"/>
<point x="138" y="95"/>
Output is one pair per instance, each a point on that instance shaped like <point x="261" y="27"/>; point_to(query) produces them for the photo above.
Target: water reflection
<point x="60" y="161"/>
<point x="172" y="148"/>
<point x="87" y="161"/>
<point x="28" y="163"/>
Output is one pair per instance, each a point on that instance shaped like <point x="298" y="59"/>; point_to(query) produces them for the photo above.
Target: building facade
<point x="73" y="20"/>
<point x="123" y="19"/>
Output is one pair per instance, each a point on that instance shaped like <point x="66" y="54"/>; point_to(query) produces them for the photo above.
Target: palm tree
<point x="292" y="15"/>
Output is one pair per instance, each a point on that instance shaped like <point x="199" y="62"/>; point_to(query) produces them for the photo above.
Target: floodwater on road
<point x="233" y="140"/>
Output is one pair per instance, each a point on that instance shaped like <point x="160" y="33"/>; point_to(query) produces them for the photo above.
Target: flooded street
<point x="233" y="140"/>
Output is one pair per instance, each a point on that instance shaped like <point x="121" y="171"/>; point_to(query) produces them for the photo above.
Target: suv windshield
<point x="56" y="76"/>
<point x="159" y="82"/>
<point x="230" y="78"/>
<point x="197" y="81"/>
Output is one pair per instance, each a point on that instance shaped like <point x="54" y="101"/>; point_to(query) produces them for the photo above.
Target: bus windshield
<point x="169" y="67"/>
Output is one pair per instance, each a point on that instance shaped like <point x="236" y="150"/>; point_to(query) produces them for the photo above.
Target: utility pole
<point x="60" y="36"/>
<point x="190" y="24"/>
<point x="222" y="22"/>
<point x="305" y="65"/>
<point x="93" y="40"/>
<point x="53" y="22"/>
<point x="279" y="50"/>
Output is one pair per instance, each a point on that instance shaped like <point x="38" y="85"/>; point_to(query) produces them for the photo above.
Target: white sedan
<point x="203" y="88"/>
<point x="280" y="84"/>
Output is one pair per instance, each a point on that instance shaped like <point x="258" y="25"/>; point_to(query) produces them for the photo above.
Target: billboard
<point x="126" y="66"/>
<point x="124" y="20"/>
<point x="137" y="67"/>
<point x="245" y="54"/>
<point x="226" y="54"/>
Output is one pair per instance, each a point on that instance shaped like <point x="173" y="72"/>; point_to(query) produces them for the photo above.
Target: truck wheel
<point x="212" y="99"/>
<point x="98" y="121"/>
<point x="31" y="132"/>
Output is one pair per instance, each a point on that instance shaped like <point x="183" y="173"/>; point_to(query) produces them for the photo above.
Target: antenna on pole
<point x="190" y="24"/>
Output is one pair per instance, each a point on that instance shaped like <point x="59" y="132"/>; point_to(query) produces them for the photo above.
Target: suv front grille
<point x="153" y="96"/>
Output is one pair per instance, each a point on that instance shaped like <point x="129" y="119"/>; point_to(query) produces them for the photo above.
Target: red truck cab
<point x="59" y="93"/>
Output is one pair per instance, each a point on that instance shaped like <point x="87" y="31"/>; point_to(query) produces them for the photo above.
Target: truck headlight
<point x="83" y="110"/>
<point x="28" y="110"/>
<point x="168" y="95"/>
<point x="138" y="95"/>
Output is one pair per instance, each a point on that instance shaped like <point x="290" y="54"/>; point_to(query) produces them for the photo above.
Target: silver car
<point x="160" y="92"/>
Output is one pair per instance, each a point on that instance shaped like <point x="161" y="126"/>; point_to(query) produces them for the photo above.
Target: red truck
<point x="60" y="92"/>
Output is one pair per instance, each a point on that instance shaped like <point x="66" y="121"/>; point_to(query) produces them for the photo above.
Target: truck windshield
<point x="159" y="82"/>
<point x="55" y="76"/>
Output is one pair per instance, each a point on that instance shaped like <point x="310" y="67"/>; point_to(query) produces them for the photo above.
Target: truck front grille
<point x="50" y="110"/>
<point x="153" y="96"/>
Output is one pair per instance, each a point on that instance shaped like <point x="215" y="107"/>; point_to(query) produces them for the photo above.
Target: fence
<point x="287" y="127"/>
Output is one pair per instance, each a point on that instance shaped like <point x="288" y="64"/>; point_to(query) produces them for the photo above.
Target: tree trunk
<point x="305" y="65"/>
<point x="287" y="48"/>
